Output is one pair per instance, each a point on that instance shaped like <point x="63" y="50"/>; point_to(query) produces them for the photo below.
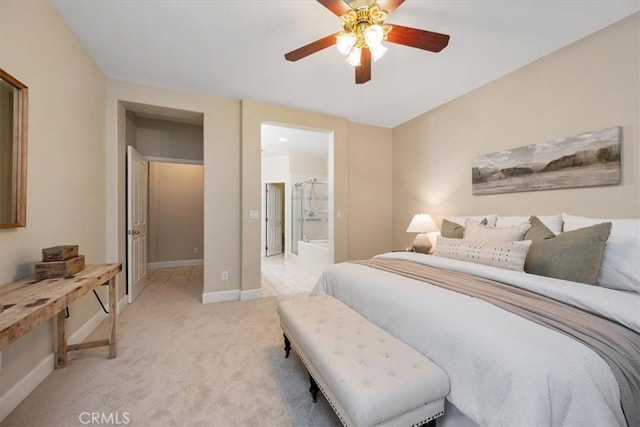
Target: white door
<point x="274" y="219"/>
<point x="137" y="196"/>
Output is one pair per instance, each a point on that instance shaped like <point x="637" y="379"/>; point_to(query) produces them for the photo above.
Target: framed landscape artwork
<point x="584" y="160"/>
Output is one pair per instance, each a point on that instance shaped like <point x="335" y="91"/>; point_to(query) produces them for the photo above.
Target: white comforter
<point x="503" y="369"/>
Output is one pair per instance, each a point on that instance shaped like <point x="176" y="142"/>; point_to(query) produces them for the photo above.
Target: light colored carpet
<point x="182" y="363"/>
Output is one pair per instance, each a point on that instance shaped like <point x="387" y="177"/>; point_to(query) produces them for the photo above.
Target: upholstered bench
<point x="368" y="376"/>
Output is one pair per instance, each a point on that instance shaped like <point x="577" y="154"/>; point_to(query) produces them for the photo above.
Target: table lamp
<point x="422" y="224"/>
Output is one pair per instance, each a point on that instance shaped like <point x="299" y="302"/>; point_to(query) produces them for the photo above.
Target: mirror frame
<point x="19" y="178"/>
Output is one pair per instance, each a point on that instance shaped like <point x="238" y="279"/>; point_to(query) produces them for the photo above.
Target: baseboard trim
<point x="220" y="296"/>
<point x="250" y="294"/>
<point x="122" y="305"/>
<point x="172" y="264"/>
<point x="16" y="394"/>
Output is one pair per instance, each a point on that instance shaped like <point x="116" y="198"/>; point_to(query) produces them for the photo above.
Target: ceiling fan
<point x="364" y="31"/>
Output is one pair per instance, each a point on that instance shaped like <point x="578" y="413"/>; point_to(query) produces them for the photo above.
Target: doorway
<point x="291" y="156"/>
<point x="167" y="194"/>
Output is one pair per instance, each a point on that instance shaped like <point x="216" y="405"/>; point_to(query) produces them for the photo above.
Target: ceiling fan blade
<point x="363" y="71"/>
<point x="420" y="39"/>
<point x="312" y="47"/>
<point x="389" y="5"/>
<point x="338" y="7"/>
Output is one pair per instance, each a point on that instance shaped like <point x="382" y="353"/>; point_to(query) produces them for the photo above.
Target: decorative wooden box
<point x="59" y="261"/>
<point x="59" y="253"/>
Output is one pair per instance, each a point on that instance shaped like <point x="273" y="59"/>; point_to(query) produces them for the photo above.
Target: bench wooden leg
<point x="313" y="389"/>
<point x="287" y="346"/>
<point x="113" y="318"/>
<point x="61" y="352"/>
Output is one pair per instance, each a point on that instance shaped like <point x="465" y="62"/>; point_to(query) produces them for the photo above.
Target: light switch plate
<point x="253" y="214"/>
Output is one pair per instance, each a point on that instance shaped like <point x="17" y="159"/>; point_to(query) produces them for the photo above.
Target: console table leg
<point x="113" y="317"/>
<point x="61" y="353"/>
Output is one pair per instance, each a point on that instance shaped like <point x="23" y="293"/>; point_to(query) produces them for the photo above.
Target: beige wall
<point x="176" y="222"/>
<point x="589" y="85"/>
<point x="168" y="139"/>
<point x="66" y="162"/>
<point x="370" y="191"/>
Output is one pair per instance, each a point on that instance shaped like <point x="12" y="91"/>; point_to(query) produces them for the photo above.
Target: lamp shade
<point x="422" y="223"/>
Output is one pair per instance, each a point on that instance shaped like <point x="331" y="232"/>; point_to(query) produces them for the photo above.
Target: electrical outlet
<point x="225" y="275"/>
<point x="195" y="251"/>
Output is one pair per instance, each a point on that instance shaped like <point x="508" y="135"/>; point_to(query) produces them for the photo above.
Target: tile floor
<point x="280" y="277"/>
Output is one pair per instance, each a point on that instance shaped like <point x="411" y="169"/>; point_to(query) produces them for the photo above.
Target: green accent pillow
<point x="453" y="230"/>
<point x="573" y="255"/>
<point x="538" y="230"/>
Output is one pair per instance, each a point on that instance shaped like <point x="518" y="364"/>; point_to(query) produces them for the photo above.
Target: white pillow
<point x="507" y="255"/>
<point x="620" y="268"/>
<point x="473" y="230"/>
<point x="553" y="222"/>
<point x="491" y="219"/>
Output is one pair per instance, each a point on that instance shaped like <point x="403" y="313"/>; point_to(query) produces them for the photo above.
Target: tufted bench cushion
<point x="368" y="376"/>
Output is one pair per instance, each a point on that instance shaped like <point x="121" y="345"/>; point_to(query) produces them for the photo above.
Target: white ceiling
<point x="234" y="49"/>
<point x="280" y="140"/>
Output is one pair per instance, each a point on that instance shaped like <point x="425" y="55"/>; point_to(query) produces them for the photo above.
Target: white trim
<point x="250" y="294"/>
<point x="16" y="394"/>
<point x="171" y="264"/>
<point x="220" y="296"/>
<point x="172" y="160"/>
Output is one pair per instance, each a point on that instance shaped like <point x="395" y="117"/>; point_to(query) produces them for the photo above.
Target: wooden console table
<point x="28" y="303"/>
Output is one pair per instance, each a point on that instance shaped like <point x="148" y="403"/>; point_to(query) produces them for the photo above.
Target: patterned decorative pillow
<point x="473" y="230"/>
<point x="507" y="255"/>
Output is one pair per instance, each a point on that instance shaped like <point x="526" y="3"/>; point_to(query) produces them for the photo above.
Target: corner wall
<point x="66" y="183"/>
<point x="589" y="85"/>
<point x="370" y="191"/>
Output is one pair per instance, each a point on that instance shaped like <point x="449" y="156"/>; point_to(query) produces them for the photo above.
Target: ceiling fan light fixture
<point x="345" y="42"/>
<point x="364" y="28"/>
<point x="353" y="58"/>
<point x="373" y="35"/>
<point x="377" y="51"/>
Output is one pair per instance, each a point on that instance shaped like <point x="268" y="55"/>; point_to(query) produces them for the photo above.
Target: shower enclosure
<point x="309" y="214"/>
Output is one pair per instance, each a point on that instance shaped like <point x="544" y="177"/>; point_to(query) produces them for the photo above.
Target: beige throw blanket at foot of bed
<point x="617" y="345"/>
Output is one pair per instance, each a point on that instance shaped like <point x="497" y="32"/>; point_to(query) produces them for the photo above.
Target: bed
<point x="504" y="369"/>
